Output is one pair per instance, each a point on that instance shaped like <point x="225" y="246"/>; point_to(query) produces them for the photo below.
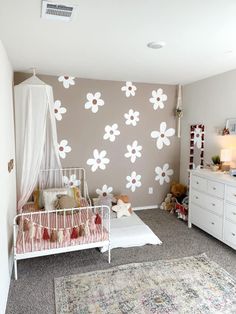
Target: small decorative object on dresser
<point x="216" y="163"/>
<point x="212" y="204"/>
<point x="231" y="126"/>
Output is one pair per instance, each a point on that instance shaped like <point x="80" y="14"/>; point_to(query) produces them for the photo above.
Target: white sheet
<point x="130" y="231"/>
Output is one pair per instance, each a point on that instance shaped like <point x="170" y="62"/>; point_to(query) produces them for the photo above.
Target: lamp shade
<point x="225" y="155"/>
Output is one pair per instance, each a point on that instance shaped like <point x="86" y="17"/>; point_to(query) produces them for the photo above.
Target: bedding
<point x="25" y="244"/>
<point x="129" y="232"/>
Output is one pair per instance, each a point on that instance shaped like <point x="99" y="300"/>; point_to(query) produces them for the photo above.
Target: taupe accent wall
<point x="84" y="130"/>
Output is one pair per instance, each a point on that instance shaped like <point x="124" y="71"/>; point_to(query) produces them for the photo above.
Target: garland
<point x="58" y="234"/>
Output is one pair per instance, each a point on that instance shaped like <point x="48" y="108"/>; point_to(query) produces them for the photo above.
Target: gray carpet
<point x="34" y="290"/>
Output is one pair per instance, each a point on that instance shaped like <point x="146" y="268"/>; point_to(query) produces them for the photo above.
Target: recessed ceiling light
<point x="156" y="45"/>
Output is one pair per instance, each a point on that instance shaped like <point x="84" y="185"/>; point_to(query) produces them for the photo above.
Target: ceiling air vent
<point x="56" y="11"/>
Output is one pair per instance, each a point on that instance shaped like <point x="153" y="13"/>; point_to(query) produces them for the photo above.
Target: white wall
<point x="7" y="180"/>
<point x="210" y="101"/>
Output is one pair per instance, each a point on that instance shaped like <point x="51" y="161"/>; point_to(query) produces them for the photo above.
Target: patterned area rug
<point x="186" y="285"/>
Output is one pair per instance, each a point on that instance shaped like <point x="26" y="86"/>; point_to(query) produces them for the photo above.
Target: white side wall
<point x="211" y="102"/>
<point x="7" y="180"/>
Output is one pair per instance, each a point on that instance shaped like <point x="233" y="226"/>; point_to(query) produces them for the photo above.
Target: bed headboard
<point x="65" y="177"/>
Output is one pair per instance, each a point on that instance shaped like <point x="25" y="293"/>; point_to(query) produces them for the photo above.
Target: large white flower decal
<point x="66" y="80"/>
<point x="132" y="117"/>
<point x="158" y="99"/>
<point x="71" y="181"/>
<point x="94" y="102"/>
<point x="99" y="160"/>
<point x="111" y="132"/>
<point x="133" y="151"/>
<point x="105" y="191"/>
<point x="198" y="137"/>
<point x="58" y="110"/>
<point x="63" y="148"/>
<point x="162" y="135"/>
<point x="129" y="89"/>
<point x="163" y="174"/>
<point x="133" y="181"/>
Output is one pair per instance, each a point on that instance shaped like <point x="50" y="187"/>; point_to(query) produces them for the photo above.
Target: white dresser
<point x="212" y="204"/>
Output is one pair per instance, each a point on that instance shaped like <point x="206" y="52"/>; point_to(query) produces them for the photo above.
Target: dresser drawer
<point x="231" y="194"/>
<point x="199" y="183"/>
<point x="230" y="212"/>
<point x="214" y="204"/>
<point x="215" y="188"/>
<point x="230" y="233"/>
<point x="198" y="198"/>
<point x="207" y="221"/>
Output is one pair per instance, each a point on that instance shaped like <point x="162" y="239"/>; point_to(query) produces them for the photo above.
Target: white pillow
<point x="50" y="196"/>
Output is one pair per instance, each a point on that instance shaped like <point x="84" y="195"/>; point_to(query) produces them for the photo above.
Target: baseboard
<point x="146" y="207"/>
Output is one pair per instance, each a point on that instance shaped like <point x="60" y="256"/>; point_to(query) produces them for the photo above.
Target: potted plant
<point x="216" y="163"/>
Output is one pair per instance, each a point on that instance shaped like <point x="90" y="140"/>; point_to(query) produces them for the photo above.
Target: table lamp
<point x="225" y="158"/>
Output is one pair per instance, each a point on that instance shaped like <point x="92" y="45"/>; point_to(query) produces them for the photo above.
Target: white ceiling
<point x="108" y="39"/>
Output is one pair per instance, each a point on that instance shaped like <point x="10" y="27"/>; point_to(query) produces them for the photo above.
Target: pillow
<point x="50" y="196"/>
<point x="38" y="199"/>
<point x="125" y="199"/>
<point x="65" y="201"/>
<point x="121" y="209"/>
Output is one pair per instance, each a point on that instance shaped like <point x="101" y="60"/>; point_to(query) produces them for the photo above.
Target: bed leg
<point x="15" y="268"/>
<point x="109" y="255"/>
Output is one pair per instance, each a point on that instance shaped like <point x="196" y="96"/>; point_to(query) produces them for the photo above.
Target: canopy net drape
<point x="36" y="135"/>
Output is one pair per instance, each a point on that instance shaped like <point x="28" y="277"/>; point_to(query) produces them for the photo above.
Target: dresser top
<point x="214" y="175"/>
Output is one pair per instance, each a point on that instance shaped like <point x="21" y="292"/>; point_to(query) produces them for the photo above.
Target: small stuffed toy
<point x="169" y="203"/>
<point x="121" y="209"/>
<point x="178" y="191"/>
<point x="53" y="236"/>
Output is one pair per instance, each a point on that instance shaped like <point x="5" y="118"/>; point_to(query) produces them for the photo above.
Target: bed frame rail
<point x="68" y="219"/>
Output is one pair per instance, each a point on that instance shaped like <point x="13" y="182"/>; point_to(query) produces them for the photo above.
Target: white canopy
<point x="36" y="135"/>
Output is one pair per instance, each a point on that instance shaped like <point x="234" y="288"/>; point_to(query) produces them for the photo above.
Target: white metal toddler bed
<point x="40" y="233"/>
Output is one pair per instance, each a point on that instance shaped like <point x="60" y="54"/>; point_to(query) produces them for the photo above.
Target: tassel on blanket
<point x="31" y="230"/>
<point x="81" y="230"/>
<point x="38" y="232"/>
<point x="53" y="237"/>
<point x="74" y="234"/>
<point x="26" y="226"/>
<point x="86" y="228"/>
<point x="45" y="234"/>
<point x="60" y="235"/>
<point x="98" y="220"/>
<point x="92" y="224"/>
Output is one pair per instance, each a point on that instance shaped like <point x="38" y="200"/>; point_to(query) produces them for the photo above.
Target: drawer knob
<point x="196" y="197"/>
<point x="197" y="182"/>
<point x="214" y="188"/>
<point x="212" y="223"/>
<point x="234" y="213"/>
<point x="213" y="204"/>
<point x="235" y="195"/>
<point x="233" y="234"/>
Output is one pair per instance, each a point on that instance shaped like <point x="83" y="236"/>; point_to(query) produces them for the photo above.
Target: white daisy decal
<point x="105" y="191"/>
<point x="132" y="117"/>
<point x="58" y="110"/>
<point x="133" y="151"/>
<point x="111" y="132"/>
<point x="71" y="181"/>
<point x="158" y="99"/>
<point x="63" y="148"/>
<point x="93" y="102"/>
<point x="99" y="160"/>
<point x="66" y="80"/>
<point x="129" y="89"/>
<point x="163" y="174"/>
<point x="133" y="181"/>
<point x="198" y="137"/>
<point x="162" y="135"/>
